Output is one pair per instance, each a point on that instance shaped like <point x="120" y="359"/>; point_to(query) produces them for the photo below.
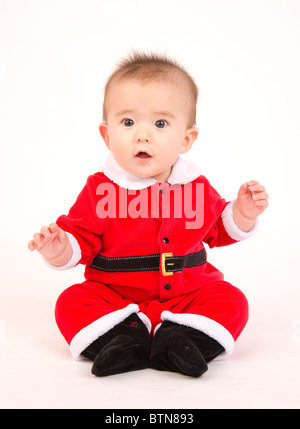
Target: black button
<point x="166" y="240"/>
<point x="162" y="191"/>
<point x="167" y="286"/>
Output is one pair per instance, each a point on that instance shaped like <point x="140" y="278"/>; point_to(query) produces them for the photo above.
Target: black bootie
<point x="179" y="348"/>
<point x="126" y="347"/>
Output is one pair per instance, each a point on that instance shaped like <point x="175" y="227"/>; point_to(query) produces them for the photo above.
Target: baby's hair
<point x="147" y="67"/>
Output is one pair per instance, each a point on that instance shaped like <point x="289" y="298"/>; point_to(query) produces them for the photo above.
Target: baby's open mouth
<point x="143" y="155"/>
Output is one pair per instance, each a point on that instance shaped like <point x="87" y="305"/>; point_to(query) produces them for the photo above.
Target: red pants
<point x="85" y="311"/>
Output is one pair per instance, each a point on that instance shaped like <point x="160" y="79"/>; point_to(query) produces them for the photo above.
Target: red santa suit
<point x="143" y="255"/>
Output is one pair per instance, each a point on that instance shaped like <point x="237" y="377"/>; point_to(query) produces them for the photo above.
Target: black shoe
<point x="179" y="348"/>
<point x="126" y="347"/>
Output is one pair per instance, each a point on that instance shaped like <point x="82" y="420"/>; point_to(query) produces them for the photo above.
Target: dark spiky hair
<point x="147" y="67"/>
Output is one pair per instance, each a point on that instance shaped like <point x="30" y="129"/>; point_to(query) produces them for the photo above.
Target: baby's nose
<point x="143" y="138"/>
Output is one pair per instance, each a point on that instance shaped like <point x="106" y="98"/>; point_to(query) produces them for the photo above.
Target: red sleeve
<point x="214" y="205"/>
<point x="82" y="221"/>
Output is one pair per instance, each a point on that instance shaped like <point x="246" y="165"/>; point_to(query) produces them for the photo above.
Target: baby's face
<point x="146" y="126"/>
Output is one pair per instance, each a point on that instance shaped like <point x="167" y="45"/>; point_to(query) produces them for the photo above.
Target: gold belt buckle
<point x="164" y="263"/>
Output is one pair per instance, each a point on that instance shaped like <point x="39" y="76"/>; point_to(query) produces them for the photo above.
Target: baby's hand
<point x="252" y="200"/>
<point x="53" y="244"/>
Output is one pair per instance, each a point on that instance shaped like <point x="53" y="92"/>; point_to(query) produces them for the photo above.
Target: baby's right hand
<point x="53" y="244"/>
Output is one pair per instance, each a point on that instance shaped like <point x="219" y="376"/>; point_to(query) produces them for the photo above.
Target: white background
<point x="55" y="57"/>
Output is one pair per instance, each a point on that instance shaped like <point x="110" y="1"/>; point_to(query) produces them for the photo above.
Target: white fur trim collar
<point x="183" y="172"/>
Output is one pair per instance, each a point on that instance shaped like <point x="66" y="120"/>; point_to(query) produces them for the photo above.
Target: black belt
<point x="166" y="261"/>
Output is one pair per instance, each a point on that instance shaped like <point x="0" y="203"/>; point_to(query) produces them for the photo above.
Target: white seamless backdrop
<point x="55" y="57"/>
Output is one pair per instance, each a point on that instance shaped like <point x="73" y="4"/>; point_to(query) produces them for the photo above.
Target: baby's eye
<point x="161" y="123"/>
<point x="128" y="122"/>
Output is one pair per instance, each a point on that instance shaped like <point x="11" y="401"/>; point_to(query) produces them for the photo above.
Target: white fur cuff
<point x="231" y="227"/>
<point x="99" y="327"/>
<point x="75" y="258"/>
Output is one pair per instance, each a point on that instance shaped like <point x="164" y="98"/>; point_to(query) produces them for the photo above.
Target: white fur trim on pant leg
<point x="145" y="320"/>
<point x="99" y="327"/>
<point x="208" y="326"/>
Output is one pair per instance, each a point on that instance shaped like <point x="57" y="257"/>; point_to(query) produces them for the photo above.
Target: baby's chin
<point x="147" y="171"/>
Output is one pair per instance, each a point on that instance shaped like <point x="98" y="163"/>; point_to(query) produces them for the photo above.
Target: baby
<point x="150" y="298"/>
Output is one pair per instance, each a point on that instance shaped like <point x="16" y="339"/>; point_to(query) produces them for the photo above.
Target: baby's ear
<point x="190" y="137"/>
<point x="104" y="133"/>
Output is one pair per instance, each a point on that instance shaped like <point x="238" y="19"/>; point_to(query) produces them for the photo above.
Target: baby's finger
<point x="252" y="183"/>
<point x="261" y="204"/>
<point x="31" y="245"/>
<point x="53" y="227"/>
<point x="62" y="236"/>
<point x="243" y="189"/>
<point x="257" y="188"/>
<point x="38" y="240"/>
<point x="260" y="196"/>
<point x="45" y="232"/>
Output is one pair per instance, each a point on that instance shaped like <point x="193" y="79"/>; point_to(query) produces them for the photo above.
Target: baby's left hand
<point x="252" y="199"/>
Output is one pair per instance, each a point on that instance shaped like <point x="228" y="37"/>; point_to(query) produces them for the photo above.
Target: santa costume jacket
<point x="143" y="255"/>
